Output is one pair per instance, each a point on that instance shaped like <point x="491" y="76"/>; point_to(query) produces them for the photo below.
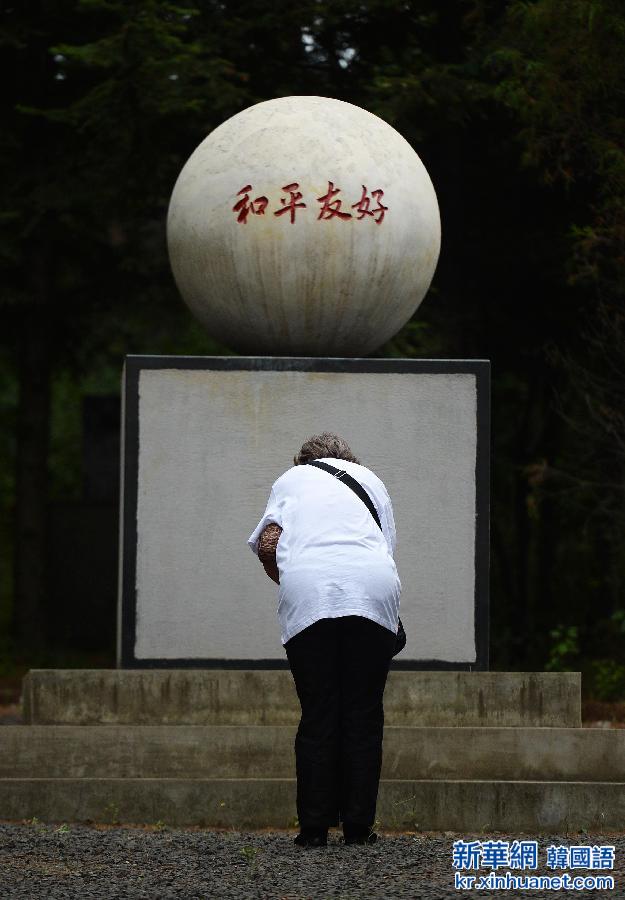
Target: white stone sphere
<point x="269" y="276"/>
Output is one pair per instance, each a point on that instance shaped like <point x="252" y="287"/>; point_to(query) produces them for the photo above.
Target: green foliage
<point x="564" y="650"/>
<point x="561" y="72"/>
<point x="146" y="76"/>
<point x="607" y="680"/>
<point x="597" y="651"/>
<point x="251" y="854"/>
<point x="414" y="339"/>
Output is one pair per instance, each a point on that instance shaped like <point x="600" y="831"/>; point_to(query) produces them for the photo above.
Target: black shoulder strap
<point x="356" y="487"/>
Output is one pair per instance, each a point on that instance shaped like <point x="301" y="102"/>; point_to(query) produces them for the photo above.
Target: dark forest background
<point x="517" y="110"/>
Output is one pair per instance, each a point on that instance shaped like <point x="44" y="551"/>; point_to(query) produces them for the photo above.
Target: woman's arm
<point x="272" y="570"/>
<point x="267" y="544"/>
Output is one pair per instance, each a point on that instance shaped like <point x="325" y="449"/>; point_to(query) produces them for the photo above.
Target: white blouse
<point x="332" y="558"/>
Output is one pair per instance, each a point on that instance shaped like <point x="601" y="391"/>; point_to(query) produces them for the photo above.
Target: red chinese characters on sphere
<point x="330" y="204"/>
<point x="331" y="208"/>
<point x="292" y="203"/>
<point x="244" y="207"/>
<point x="363" y="205"/>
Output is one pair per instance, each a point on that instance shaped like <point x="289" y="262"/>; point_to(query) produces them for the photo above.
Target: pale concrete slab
<point x="268" y="697"/>
<point x="210" y="444"/>
<point x="255" y="751"/>
<point x="531" y="807"/>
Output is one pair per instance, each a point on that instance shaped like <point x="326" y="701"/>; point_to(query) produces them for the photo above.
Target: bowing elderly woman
<point x="338" y="611"/>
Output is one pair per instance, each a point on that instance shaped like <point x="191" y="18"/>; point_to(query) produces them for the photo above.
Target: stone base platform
<point x="529" y="807"/>
<point x="268" y="697"/>
<point x="463" y="751"/>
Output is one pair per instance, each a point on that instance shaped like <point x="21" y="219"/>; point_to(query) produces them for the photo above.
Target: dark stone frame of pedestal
<point x="133" y="364"/>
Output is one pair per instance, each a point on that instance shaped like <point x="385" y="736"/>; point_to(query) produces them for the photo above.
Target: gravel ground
<point x="83" y="862"/>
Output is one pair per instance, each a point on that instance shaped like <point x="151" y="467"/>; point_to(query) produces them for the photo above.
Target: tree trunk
<point x="31" y="483"/>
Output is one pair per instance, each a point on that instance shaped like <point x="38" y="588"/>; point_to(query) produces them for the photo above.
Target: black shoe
<point x="358" y="834"/>
<point x="312" y="837"/>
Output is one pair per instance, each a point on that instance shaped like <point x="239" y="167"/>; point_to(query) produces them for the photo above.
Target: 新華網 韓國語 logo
<point x="570" y="866"/>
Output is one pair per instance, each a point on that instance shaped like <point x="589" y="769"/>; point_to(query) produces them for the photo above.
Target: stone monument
<point x="308" y="228"/>
<point x="305" y="228"/>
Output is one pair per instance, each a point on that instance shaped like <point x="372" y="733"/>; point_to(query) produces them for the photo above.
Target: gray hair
<point x="322" y="445"/>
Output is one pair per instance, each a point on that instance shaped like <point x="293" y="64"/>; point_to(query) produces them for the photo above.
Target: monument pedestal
<point x="204" y="439"/>
<point x="462" y="751"/>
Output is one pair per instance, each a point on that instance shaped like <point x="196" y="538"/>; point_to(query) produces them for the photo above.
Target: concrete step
<point x="268" y="697"/>
<point x="257" y="751"/>
<point x="464" y="806"/>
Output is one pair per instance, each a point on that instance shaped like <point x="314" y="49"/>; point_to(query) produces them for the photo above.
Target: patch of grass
<point x="251" y="855"/>
<point x="111" y="811"/>
<point x="36" y="823"/>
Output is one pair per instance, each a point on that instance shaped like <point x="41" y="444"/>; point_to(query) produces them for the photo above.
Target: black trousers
<point x="339" y="667"/>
